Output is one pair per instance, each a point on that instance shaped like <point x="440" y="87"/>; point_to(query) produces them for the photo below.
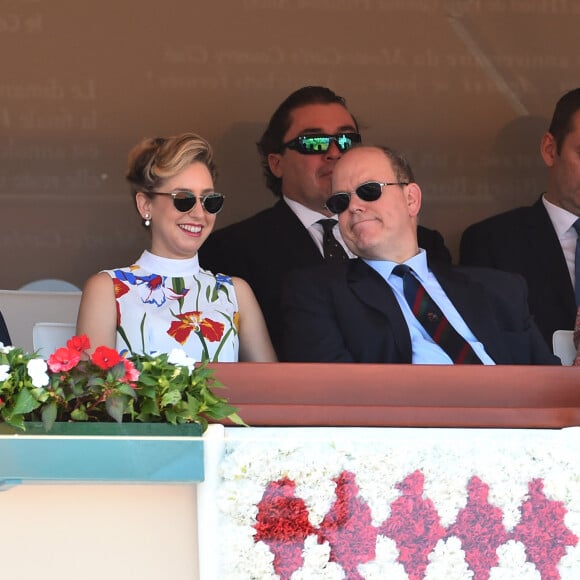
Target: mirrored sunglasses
<point x="185" y="201"/>
<point x="368" y="191"/>
<point x="316" y="144"/>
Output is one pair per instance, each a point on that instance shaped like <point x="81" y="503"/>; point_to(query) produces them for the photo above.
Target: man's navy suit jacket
<point x="4" y="336"/>
<point x="348" y="313"/>
<point x="523" y="240"/>
<point x="264" y="248"/>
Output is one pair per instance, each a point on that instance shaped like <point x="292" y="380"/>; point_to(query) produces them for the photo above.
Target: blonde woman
<point x="165" y="300"/>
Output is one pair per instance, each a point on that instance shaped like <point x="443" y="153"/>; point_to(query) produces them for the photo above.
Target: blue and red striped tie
<point x="433" y="320"/>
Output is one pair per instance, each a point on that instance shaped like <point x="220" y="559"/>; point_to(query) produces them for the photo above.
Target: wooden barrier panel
<point x="285" y="394"/>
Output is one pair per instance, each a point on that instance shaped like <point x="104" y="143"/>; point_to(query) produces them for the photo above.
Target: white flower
<point x="5" y="349"/>
<point x="179" y="358"/>
<point x="4" y="372"/>
<point x="37" y="368"/>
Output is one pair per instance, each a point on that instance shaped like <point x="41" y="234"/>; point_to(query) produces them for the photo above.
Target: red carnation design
<point x="414" y="525"/>
<point x="282" y="523"/>
<point x="479" y="527"/>
<point x="347" y="528"/>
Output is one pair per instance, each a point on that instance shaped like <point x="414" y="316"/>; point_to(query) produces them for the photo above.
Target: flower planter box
<point x="102" y="452"/>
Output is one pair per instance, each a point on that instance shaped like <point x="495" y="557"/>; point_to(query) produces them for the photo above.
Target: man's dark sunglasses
<point x="316" y="144"/>
<point x="368" y="191"/>
<point x="184" y="201"/>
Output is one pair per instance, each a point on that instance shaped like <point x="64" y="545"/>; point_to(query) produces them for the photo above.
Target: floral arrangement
<point x="355" y="506"/>
<point x="73" y="385"/>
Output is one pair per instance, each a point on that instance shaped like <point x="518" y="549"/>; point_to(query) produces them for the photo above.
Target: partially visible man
<point x="304" y="139"/>
<point x="4" y="336"/>
<point x="539" y="242"/>
<point x="394" y="304"/>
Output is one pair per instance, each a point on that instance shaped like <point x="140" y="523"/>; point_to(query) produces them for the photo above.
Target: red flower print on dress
<point x="543" y="532"/>
<point x="189" y="322"/>
<point x="120" y="288"/>
<point x="282" y="524"/>
<point x="414" y="525"/>
<point x="63" y="359"/>
<point x="106" y="358"/>
<point x="347" y="528"/>
<point x="479" y="526"/>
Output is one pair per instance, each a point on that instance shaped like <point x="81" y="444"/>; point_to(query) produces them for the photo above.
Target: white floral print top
<point x="164" y="304"/>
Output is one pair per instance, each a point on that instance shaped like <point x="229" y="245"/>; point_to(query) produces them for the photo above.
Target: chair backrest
<point x="50" y="285"/>
<point x="48" y="336"/>
<point x="22" y="309"/>
<point x="562" y="346"/>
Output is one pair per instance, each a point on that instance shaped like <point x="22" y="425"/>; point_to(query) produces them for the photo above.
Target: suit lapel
<point x="549" y="261"/>
<point x="297" y="247"/>
<point x="372" y="290"/>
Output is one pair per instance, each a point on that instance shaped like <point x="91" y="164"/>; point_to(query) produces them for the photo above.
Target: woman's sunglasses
<point x="369" y="191"/>
<point x="184" y="201"/>
<point x="316" y="144"/>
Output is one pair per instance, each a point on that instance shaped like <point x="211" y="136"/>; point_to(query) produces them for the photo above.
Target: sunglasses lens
<point x="347" y="140"/>
<point x="338" y="202"/>
<point x="183" y="201"/>
<point x="213" y="202"/>
<point x="369" y="191"/>
<point x="315" y="144"/>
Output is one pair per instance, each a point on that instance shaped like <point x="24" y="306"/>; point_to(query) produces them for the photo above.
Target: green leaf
<point x="48" y="415"/>
<point x="25" y="403"/>
<point x="170" y="398"/>
<point x="115" y="407"/>
<point x="79" y="414"/>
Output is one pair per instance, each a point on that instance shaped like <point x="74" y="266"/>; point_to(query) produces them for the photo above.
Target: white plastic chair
<point x="563" y="346"/>
<point x="22" y="309"/>
<point x="48" y="336"/>
<point x="50" y="285"/>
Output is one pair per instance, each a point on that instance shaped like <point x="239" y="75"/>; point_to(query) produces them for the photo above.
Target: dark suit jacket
<point x="265" y="247"/>
<point x="348" y="313"/>
<point x="4" y="336"/>
<point x="523" y="240"/>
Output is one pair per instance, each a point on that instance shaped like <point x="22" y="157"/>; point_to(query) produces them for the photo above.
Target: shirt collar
<point x="562" y="220"/>
<point x="418" y="263"/>
<point x="306" y="215"/>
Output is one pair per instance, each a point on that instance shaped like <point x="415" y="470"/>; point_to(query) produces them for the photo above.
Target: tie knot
<point x="576" y="226"/>
<point x="401" y="270"/>
<point x="327" y="224"/>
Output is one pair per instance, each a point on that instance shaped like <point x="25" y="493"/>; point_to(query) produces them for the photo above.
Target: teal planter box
<point x="102" y="452"/>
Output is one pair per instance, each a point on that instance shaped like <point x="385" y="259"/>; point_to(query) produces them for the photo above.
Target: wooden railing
<point x="287" y="394"/>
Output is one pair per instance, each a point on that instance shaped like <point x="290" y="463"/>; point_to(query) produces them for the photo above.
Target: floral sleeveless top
<point x="164" y="304"/>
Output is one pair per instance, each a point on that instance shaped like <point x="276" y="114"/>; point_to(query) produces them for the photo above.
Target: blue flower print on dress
<point x="151" y="288"/>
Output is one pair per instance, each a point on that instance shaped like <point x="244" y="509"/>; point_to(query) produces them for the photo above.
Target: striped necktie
<point x="333" y="251"/>
<point x="433" y="320"/>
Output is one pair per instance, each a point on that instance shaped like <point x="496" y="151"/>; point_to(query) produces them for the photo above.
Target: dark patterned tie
<point x="333" y="251"/>
<point x="433" y="320"/>
<point x="577" y="261"/>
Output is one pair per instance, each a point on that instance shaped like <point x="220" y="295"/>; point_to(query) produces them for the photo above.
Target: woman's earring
<point x="147" y="221"/>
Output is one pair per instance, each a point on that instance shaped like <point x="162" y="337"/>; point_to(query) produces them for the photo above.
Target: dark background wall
<point x="464" y="87"/>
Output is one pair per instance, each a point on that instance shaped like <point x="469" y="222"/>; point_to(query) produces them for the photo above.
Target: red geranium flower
<point x="63" y="359"/>
<point x="131" y="373"/>
<point x="79" y="343"/>
<point x="105" y="357"/>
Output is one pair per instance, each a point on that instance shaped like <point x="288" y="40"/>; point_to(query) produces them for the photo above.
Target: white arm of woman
<point x="98" y="311"/>
<point x="255" y="344"/>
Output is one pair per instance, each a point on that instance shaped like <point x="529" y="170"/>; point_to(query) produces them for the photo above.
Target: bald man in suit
<point x="360" y="311"/>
